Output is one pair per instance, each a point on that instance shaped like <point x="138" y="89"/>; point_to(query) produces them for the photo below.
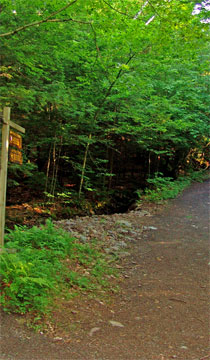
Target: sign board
<point x="15" y="156"/>
<point x="15" y="140"/>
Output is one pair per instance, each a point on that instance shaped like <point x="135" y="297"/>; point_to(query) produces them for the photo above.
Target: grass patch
<point x="163" y="188"/>
<point x="48" y="263"/>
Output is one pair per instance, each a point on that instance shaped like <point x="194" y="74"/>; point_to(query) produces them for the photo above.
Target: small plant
<point x="198" y="176"/>
<point x="163" y="188"/>
<point x="48" y="262"/>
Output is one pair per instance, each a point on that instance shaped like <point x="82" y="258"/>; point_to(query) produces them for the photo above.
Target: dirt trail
<point x="162" y="311"/>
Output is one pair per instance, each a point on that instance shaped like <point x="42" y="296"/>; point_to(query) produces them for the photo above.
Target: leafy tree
<point x="100" y="84"/>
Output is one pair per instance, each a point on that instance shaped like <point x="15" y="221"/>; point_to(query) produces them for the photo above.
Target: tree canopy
<point x="107" y="90"/>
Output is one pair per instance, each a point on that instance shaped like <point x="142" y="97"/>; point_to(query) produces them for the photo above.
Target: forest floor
<point x="161" y="310"/>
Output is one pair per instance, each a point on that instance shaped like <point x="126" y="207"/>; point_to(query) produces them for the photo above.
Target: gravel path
<point x="161" y="311"/>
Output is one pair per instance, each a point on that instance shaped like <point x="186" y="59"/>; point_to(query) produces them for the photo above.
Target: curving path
<point x="162" y="311"/>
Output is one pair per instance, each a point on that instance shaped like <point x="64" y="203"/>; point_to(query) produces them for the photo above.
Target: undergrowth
<point x="42" y="263"/>
<point x="163" y="188"/>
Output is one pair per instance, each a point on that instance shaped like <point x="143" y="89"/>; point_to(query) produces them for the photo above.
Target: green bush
<point x="23" y="286"/>
<point x="47" y="262"/>
<point x="163" y="188"/>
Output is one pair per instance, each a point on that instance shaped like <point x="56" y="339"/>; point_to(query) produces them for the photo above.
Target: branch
<point x="138" y="13"/>
<point x="95" y="40"/>
<point x="21" y="28"/>
<point x="153" y="7"/>
<point x="117" y="77"/>
<point x="141" y="10"/>
<point x="118" y="11"/>
<point x="111" y="86"/>
<point x="131" y="56"/>
<point x="66" y="20"/>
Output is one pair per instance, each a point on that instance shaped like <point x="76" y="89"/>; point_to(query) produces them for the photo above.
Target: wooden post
<point x="3" y="172"/>
<point x="3" y="169"/>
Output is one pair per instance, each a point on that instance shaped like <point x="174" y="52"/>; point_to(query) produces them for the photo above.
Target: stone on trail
<point x="83" y="238"/>
<point x="149" y="228"/>
<point x="116" y="323"/>
<point x="93" y="330"/>
<point x="124" y="223"/>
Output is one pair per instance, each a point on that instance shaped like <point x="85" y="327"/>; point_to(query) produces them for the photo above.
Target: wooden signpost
<point x="15" y="155"/>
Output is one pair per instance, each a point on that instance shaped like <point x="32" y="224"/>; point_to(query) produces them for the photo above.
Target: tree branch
<point x="21" y="28"/>
<point x="141" y="10"/>
<point x="117" y="77"/>
<point x="70" y="19"/>
<point x="95" y="40"/>
<point x="118" y="11"/>
<point x="153" y="7"/>
<point x="111" y="86"/>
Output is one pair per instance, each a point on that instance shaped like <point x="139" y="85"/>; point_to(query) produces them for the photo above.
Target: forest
<point x="112" y="93"/>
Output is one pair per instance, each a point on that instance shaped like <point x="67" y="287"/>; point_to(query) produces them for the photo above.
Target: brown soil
<point x="161" y="311"/>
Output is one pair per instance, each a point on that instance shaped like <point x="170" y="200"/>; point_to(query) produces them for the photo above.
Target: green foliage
<point x="26" y="172"/>
<point x="163" y="188"/>
<point x="101" y="69"/>
<point x="23" y="286"/>
<point x="36" y="180"/>
<point x="43" y="267"/>
<point x="95" y="202"/>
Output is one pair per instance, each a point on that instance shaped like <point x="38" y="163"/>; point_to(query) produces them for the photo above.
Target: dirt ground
<point x="161" y="311"/>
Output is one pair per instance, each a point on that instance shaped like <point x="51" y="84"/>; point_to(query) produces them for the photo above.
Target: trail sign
<point x="6" y="124"/>
<point x="15" y="140"/>
<point x="15" y="156"/>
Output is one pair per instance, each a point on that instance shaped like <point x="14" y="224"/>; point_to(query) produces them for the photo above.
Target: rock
<point x="57" y="338"/>
<point x="115" y="248"/>
<point x="108" y="250"/>
<point x="93" y="231"/>
<point x="144" y="213"/>
<point x="124" y="231"/>
<point x="123" y="254"/>
<point x="149" y="228"/>
<point x="83" y="238"/>
<point x="122" y="244"/>
<point x="93" y="330"/>
<point x="116" y="323"/>
<point x="124" y="223"/>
